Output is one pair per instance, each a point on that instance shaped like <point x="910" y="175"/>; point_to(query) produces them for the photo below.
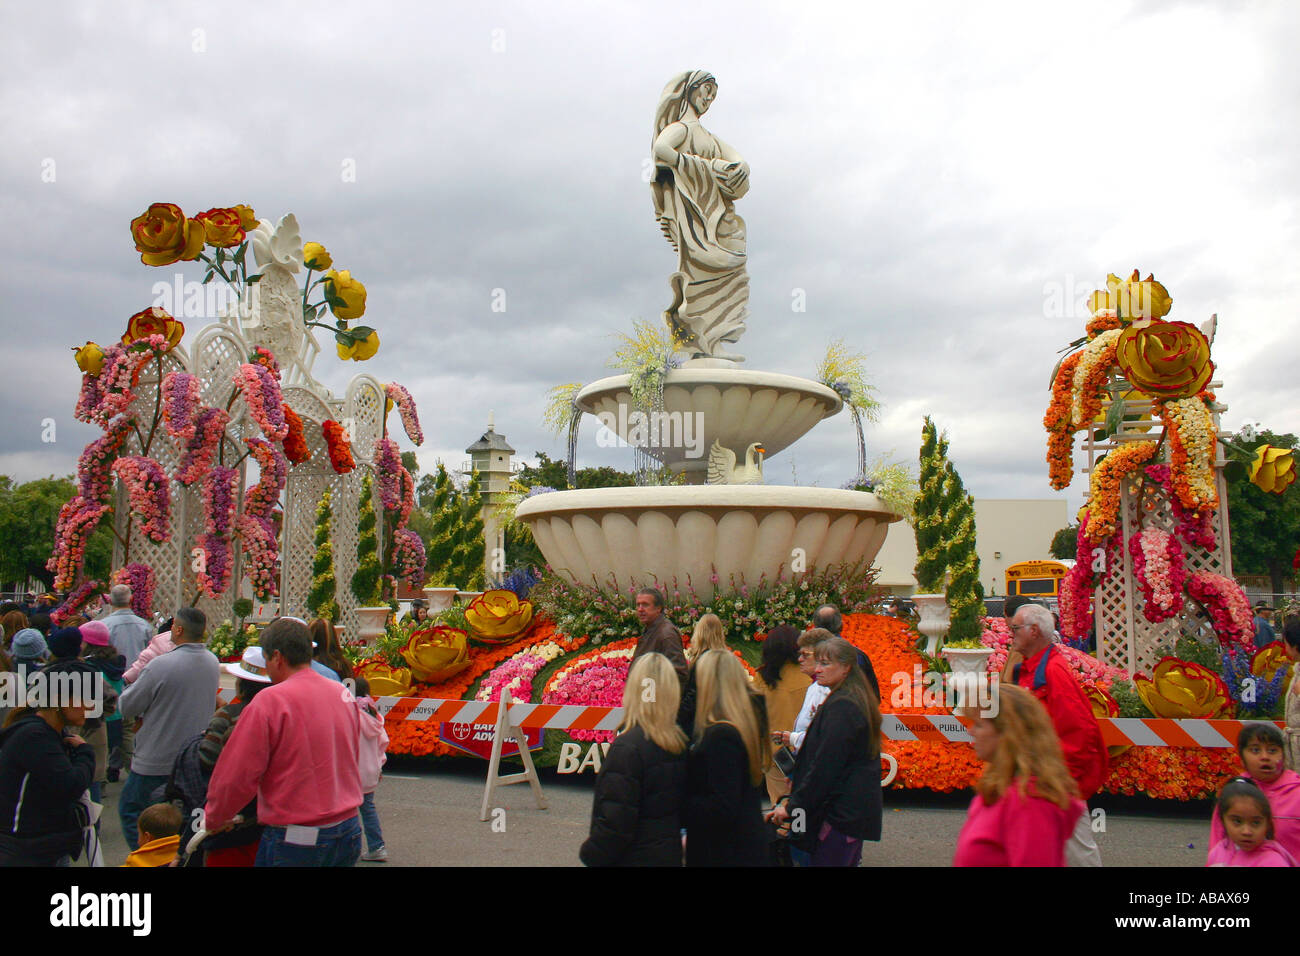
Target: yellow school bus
<point x="1037" y="579"/>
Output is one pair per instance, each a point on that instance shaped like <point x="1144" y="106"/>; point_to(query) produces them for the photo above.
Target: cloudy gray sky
<point x="937" y="178"/>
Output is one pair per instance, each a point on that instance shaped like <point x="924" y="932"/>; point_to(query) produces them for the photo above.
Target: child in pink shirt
<point x="371" y="746"/>
<point x="1262" y="749"/>
<point x="1245" y="815"/>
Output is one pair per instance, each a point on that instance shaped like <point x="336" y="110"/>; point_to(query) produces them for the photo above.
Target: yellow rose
<point x="1268" y="660"/>
<point x="1273" y="468"/>
<point x="247" y="218"/>
<point x="358" y="349"/>
<point x="1182" y="690"/>
<point x="385" y="681"/>
<point x="163" y="235"/>
<point x="1167" y="360"/>
<point x="437" y="654"/>
<point x="498" y="616"/>
<point x="367" y="347"/>
<point x="1132" y="298"/>
<point x="345" y="295"/>
<point x="315" y="257"/>
<point x="222" y="228"/>
<point x="90" y="358"/>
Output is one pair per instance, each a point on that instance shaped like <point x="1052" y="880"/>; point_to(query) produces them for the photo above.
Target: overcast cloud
<point x="933" y="176"/>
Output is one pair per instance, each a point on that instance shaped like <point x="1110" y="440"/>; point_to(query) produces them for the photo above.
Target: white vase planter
<point x="968" y="669"/>
<point x="440" y="599"/>
<point x="933" y="609"/>
<point x="467" y="596"/>
<point x="371" y="622"/>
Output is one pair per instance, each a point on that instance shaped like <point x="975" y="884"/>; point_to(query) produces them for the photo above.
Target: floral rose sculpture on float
<point x="498" y="617"/>
<point x="209" y="458"/>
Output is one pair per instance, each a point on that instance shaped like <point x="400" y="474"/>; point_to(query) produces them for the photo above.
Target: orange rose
<point x="153" y="321"/>
<point x="163" y="235"/>
<point x="1168" y="360"/>
<point x="223" y="228"/>
<point x="1182" y="690"/>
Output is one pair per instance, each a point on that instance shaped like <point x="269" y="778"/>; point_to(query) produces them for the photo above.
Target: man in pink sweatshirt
<point x="295" y="749"/>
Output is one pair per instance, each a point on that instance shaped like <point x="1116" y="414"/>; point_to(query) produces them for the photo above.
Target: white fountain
<point x="723" y="521"/>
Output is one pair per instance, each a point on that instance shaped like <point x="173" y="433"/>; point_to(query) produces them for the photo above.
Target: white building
<point x="1006" y="531"/>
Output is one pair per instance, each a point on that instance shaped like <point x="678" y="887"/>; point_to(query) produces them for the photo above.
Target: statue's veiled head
<point x="696" y="88"/>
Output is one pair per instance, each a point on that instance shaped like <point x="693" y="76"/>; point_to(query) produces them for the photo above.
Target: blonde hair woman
<point x="724" y="816"/>
<point x="1026" y="803"/>
<point x="636" y="811"/>
<point x="707" y="636"/>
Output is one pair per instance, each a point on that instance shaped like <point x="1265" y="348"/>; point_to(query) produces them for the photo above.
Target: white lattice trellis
<point x="217" y="352"/>
<point x="1125" y="638"/>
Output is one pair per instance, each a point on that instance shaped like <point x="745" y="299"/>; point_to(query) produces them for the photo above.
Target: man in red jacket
<point x="1048" y="677"/>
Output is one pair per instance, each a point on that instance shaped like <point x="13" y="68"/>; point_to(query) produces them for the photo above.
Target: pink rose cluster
<point x="264" y="400"/>
<point x="595" y="682"/>
<point x="1196" y="528"/>
<point x="209" y="429"/>
<point x="1226" y="604"/>
<point x="219" y="519"/>
<point x="400" y="397"/>
<point x="148" y="491"/>
<point x="262" y="554"/>
<point x="388" y="473"/>
<point x="409" y="557"/>
<point x="139" y="577"/>
<point x="107" y="395"/>
<point x="515" y="674"/>
<point x="181" y="397"/>
<point x="1158" y="568"/>
<point x="74" y="602"/>
<point x="77" y="519"/>
<point x="273" y="469"/>
<point x="95" y="466"/>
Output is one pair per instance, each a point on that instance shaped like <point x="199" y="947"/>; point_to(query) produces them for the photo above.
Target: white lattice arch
<point x="216" y="353"/>
<point x="1125" y="638"/>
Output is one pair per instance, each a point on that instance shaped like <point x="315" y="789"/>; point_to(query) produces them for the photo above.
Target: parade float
<point x="216" y="453"/>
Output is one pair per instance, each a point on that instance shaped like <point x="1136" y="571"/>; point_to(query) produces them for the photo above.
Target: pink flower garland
<point x="77" y="519"/>
<point x="1158" y="568"/>
<point x="1194" y="528"/>
<point x="209" y="429"/>
<point x="108" y="394"/>
<point x="139" y="577"/>
<point x="258" y="537"/>
<point x="400" y="397"/>
<point x="409" y="558"/>
<point x="74" y="602"/>
<point x="181" y="395"/>
<point x="219" y="518"/>
<point x="95" y="466"/>
<point x="1226" y="604"/>
<point x="265" y="402"/>
<point x="263" y="497"/>
<point x="388" y="473"/>
<point x="148" y="493"/>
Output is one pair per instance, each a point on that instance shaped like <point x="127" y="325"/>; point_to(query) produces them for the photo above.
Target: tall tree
<point x="553" y="474"/>
<point x="1264" y="526"/>
<point x="28" y="515"/>
<point x="931" y="551"/>
<point x="1064" y="543"/>
<point x="321" y="599"/>
<point x="451" y="525"/>
<point x="965" y="592"/>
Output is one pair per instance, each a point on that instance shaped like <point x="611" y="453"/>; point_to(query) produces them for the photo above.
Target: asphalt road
<point x="430" y="817"/>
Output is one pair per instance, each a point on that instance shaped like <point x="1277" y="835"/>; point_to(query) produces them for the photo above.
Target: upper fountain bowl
<point x="737" y="407"/>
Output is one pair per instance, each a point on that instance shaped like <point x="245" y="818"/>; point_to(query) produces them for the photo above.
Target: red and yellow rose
<point x="1168" y="360"/>
<point x="153" y="321"/>
<point x="1273" y="469"/>
<point x="164" y="235"/>
<point x="223" y="228"/>
<point x="1181" y="690"/>
<point x="498" y="616"/>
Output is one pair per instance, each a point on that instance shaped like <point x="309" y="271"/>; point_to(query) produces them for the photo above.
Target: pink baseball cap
<point x="95" y="633"/>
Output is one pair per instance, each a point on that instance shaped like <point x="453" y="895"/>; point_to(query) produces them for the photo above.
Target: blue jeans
<point x="370" y="822"/>
<point x="339" y="845"/>
<point x="137" y="794"/>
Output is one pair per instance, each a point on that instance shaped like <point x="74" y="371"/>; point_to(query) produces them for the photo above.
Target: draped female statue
<point x="698" y="177"/>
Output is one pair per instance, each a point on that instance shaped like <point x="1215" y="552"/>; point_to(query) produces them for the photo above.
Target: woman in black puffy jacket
<point x="43" y="774"/>
<point x="835" y="800"/>
<point x="636" y="811"/>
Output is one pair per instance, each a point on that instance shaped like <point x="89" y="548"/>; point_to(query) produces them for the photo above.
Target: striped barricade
<point x="1115" y="731"/>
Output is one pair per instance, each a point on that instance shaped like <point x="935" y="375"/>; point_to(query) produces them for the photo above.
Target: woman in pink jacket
<point x="1026" y="803"/>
